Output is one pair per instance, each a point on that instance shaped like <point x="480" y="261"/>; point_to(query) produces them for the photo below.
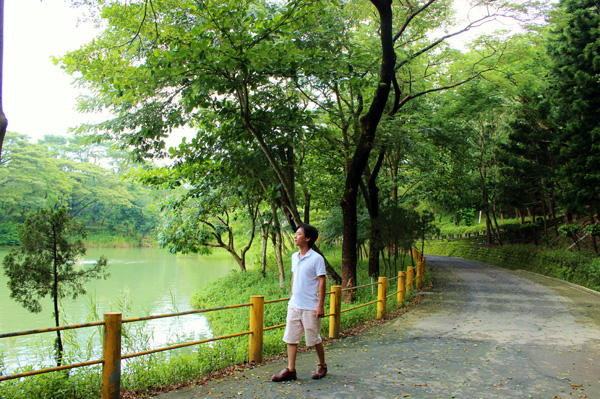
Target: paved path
<point x="481" y="332"/>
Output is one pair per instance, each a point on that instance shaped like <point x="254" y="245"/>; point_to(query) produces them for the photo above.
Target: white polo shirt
<point x="306" y="283"/>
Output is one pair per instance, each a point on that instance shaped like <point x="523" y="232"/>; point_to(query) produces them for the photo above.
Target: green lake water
<point x="143" y="281"/>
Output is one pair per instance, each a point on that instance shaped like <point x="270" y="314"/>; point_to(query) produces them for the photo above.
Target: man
<point x="306" y="306"/>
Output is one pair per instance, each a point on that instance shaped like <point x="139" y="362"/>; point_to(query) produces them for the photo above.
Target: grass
<point x="448" y="226"/>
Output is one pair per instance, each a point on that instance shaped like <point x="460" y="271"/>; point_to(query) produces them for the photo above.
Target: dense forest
<point x="370" y="119"/>
<point x="88" y="180"/>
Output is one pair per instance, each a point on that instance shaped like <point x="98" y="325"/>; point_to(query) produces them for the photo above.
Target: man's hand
<point x="320" y="311"/>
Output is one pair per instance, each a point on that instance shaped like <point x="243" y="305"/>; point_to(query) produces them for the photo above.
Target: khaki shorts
<point x="302" y="321"/>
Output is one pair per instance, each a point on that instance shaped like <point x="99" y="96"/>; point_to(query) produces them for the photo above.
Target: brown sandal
<point x="320" y="372"/>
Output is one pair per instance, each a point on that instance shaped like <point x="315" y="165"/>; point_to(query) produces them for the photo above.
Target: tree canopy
<point x="87" y="179"/>
<point x="306" y="106"/>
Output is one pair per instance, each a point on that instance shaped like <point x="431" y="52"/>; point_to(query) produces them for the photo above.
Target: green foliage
<point x="94" y="194"/>
<point x="575" y="97"/>
<point x="519" y="232"/>
<point x="569" y="230"/>
<point x="9" y="236"/>
<point x="592" y="229"/>
<point x="210" y="216"/>
<point x="105" y="239"/>
<point x="162" y="370"/>
<point x="238" y="288"/>
<point x="46" y="262"/>
<point x="399" y="226"/>
<point x="74" y="384"/>
<point x="331" y="227"/>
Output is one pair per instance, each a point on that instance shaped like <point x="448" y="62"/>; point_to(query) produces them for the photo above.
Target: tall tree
<point x="575" y="95"/>
<point x="223" y="68"/>
<point x="45" y="264"/>
<point x="392" y="62"/>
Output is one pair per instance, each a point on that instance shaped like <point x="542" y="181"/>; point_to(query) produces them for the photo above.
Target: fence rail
<point x="112" y="356"/>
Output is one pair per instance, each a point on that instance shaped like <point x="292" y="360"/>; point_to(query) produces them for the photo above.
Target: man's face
<point x="300" y="239"/>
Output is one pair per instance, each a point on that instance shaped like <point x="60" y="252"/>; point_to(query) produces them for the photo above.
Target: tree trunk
<point x="375" y="248"/>
<point x="552" y="204"/>
<point x="368" y="129"/>
<point x="372" y="198"/>
<point x="488" y="226"/>
<point x="265" y="241"/>
<point x="306" y="207"/>
<point x="485" y="200"/>
<point x="3" y="120"/>
<point x="544" y="210"/>
<point x="59" y="345"/>
<point x="105" y="215"/>
<point x="349" y="245"/>
<point x="277" y="244"/>
<point x="385" y="262"/>
<point x="289" y="240"/>
<point x="592" y="221"/>
<point x="239" y="259"/>
<point x="531" y="217"/>
<point x="497" y="228"/>
<point x="521" y="215"/>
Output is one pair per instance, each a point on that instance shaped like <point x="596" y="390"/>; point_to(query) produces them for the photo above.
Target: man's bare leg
<point x="320" y="353"/>
<point x="292" y="349"/>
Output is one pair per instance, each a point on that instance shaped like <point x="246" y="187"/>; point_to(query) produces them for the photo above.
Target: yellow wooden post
<point x="401" y="287"/>
<point x="410" y="276"/>
<point x="415" y="254"/>
<point x="111" y="367"/>
<point x="335" y="307"/>
<point x="420" y="270"/>
<point x="381" y="301"/>
<point x="256" y="326"/>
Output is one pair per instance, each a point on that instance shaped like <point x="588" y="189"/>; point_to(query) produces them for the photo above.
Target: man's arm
<point x="322" y="287"/>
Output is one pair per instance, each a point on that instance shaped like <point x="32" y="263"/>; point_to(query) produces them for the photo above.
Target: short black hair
<point x="309" y="232"/>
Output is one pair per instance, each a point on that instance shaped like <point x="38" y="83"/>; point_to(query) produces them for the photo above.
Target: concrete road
<point x="481" y="332"/>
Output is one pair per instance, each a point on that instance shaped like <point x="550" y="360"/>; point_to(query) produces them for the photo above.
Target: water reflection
<point x="143" y="281"/>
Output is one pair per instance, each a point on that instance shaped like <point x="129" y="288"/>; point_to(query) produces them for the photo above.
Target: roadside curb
<point x="576" y="286"/>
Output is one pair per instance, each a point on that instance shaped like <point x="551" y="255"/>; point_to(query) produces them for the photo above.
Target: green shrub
<point x="8" y="235"/>
<point x="74" y="384"/>
<point x="106" y="240"/>
<point x="592" y="229"/>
